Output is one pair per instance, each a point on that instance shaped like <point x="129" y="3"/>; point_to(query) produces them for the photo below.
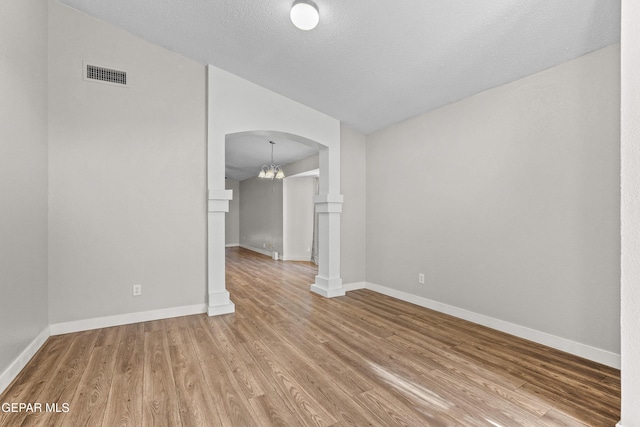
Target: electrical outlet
<point x="421" y="278"/>
<point x="137" y="290"/>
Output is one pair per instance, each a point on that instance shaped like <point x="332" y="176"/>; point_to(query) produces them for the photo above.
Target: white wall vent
<point x="106" y="75"/>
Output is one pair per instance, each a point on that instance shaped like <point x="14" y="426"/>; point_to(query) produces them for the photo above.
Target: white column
<point x="630" y="213"/>
<point x="328" y="281"/>
<point x="218" y="205"/>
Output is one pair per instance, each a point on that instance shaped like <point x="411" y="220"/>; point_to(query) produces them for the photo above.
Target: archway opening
<point x="327" y="207"/>
<point x="273" y="217"/>
<point x="235" y="105"/>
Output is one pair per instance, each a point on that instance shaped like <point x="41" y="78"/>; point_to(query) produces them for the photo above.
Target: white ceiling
<point x="371" y="63"/>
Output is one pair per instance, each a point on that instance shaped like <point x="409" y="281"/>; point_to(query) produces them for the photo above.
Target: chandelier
<point x="271" y="171"/>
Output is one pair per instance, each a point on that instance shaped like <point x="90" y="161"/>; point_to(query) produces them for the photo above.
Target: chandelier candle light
<point x="271" y="171"/>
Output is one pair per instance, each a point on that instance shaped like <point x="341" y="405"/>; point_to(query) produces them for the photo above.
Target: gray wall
<point x="261" y="214"/>
<point x="127" y="177"/>
<point x="353" y="187"/>
<point x="508" y="201"/>
<point x="261" y="208"/>
<point x="297" y="218"/>
<point x="23" y="175"/>
<point x="232" y="218"/>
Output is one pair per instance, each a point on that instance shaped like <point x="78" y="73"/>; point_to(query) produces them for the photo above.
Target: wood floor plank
<point x="289" y="357"/>
<point x="271" y="411"/>
<point x="109" y="336"/>
<point x="239" y="361"/>
<point x="611" y="386"/>
<point x="568" y="405"/>
<point x="93" y="391"/>
<point x="153" y="325"/>
<point x="160" y="400"/>
<point x="591" y="400"/>
<point x="196" y="407"/>
<point x="34" y="377"/>
<point x="558" y="419"/>
<point x="319" y="361"/>
<point x="175" y="329"/>
<point x="124" y="407"/>
<point x="63" y="384"/>
<point x="483" y="402"/>
<point x="130" y="354"/>
<point x="462" y="370"/>
<point x="234" y="408"/>
<point x="388" y="411"/>
<point x="302" y="321"/>
<point x="202" y="339"/>
<point x="246" y="328"/>
<point x="291" y="392"/>
<point x="369" y="352"/>
<point x="329" y="391"/>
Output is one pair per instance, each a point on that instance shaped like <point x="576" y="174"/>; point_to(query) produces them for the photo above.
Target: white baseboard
<point x="125" y="319"/>
<point x="619" y="424"/>
<point x="327" y="293"/>
<point x="21" y="361"/>
<point x="232" y="245"/>
<point x="258" y="250"/>
<point x="297" y="258"/>
<point x="218" y="310"/>
<point x="354" y="286"/>
<point x="597" y="355"/>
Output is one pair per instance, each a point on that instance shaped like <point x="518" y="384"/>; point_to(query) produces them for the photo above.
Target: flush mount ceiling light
<point x="304" y="14"/>
<point x="271" y="171"/>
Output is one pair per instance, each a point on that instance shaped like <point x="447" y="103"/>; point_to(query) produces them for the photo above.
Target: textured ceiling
<point x="371" y="63"/>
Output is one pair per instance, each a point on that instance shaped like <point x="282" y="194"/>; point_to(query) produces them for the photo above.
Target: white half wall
<point x="508" y="203"/>
<point x="127" y="183"/>
<point x="630" y="214"/>
<point x="23" y="183"/>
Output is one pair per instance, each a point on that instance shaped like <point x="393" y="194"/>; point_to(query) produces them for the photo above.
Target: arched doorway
<point x="236" y="106"/>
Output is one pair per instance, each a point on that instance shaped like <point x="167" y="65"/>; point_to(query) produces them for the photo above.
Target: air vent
<point x="105" y="75"/>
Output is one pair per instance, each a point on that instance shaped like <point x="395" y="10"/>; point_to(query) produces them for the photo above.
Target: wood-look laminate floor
<point x="291" y="358"/>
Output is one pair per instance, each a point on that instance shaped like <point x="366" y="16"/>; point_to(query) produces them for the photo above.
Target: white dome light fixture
<point x="305" y="15"/>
